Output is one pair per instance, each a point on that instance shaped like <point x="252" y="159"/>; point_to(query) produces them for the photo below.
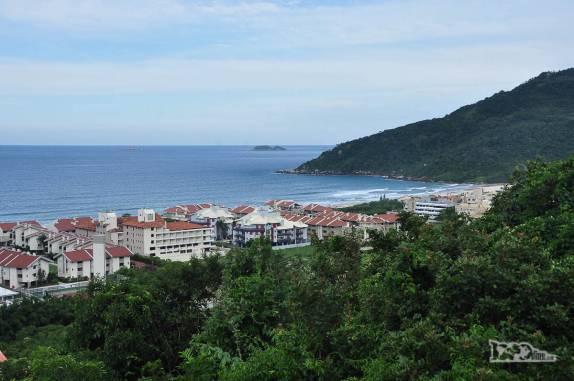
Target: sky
<point x="193" y="72"/>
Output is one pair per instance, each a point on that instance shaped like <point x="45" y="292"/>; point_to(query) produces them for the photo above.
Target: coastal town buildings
<point x="314" y="209"/>
<point x="99" y="260"/>
<point x="69" y="225"/>
<point x="110" y="226"/>
<point x="184" y="212"/>
<point x="473" y="202"/>
<point x="242" y="210"/>
<point x="284" y="205"/>
<point x="6" y="233"/>
<point x="216" y="217"/>
<point x="29" y="235"/>
<point x="149" y="234"/>
<point x="320" y="226"/>
<point x="270" y="224"/>
<point x="18" y="269"/>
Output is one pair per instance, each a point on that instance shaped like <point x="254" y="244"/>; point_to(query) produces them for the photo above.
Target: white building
<point x="150" y="235"/>
<point x="431" y="209"/>
<point x="6" y="233"/>
<point x="269" y="224"/>
<point x="29" y="236"/>
<point x="476" y="201"/>
<point x="109" y="225"/>
<point x="211" y="216"/>
<point x="98" y="261"/>
<point x="18" y="269"/>
<point x="184" y="212"/>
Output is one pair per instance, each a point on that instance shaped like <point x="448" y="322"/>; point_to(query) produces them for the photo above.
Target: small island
<point x="269" y="148"/>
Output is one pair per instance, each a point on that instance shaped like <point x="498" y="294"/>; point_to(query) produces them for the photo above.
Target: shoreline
<point x="369" y="174"/>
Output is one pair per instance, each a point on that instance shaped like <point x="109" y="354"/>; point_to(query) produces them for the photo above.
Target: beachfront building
<point x="315" y="209"/>
<point x="431" y="208"/>
<point x="321" y="226"/>
<point x="268" y="223"/>
<point x="69" y="225"/>
<point x="30" y="236"/>
<point x="184" y="212"/>
<point x="58" y="243"/>
<point x="150" y="234"/>
<point x="6" y="234"/>
<point x="110" y="226"/>
<point x="216" y="217"/>
<point x="18" y="269"/>
<point x="242" y="210"/>
<point x="476" y="201"/>
<point x="99" y="260"/>
<point x="284" y="205"/>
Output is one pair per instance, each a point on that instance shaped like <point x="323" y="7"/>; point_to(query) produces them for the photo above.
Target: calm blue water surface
<point x="47" y="182"/>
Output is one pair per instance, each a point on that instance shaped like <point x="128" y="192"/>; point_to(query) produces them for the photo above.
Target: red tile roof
<point x="389" y="217"/>
<point x="284" y="204"/>
<point x="320" y="220"/>
<point x="7" y="226"/>
<point x="70" y="224"/>
<point x="182" y="225"/>
<point x="86" y="225"/>
<point x="118" y="251"/>
<point x="133" y="222"/>
<point x="88" y="254"/>
<point x="187" y="209"/>
<point x="243" y="209"/>
<point x="3" y="357"/>
<point x="316" y="208"/>
<point x="16" y="259"/>
<point x="79" y="255"/>
<point x="31" y="222"/>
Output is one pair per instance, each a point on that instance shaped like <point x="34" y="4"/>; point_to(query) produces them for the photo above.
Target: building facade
<point x="98" y="261"/>
<point x="269" y="224"/>
<point x="18" y="269"/>
<point x="149" y="234"/>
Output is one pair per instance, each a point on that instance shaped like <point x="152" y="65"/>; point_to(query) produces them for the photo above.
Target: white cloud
<point x="500" y="65"/>
<point x="102" y="14"/>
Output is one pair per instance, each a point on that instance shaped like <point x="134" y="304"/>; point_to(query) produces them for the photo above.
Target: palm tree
<point x="221" y="229"/>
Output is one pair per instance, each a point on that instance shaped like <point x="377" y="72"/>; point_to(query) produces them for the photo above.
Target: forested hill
<point x="482" y="142"/>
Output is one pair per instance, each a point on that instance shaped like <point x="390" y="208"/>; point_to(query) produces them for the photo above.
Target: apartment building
<point x="242" y="210"/>
<point x="475" y="202"/>
<point x="29" y="235"/>
<point x="150" y="234"/>
<point x="184" y="212"/>
<point x="216" y="217"/>
<point x="6" y="233"/>
<point x="284" y="205"/>
<point x="18" y="269"/>
<point x="69" y="225"/>
<point x="109" y="225"/>
<point x="269" y="224"/>
<point x="315" y="209"/>
<point x="321" y="226"/>
<point x="98" y="261"/>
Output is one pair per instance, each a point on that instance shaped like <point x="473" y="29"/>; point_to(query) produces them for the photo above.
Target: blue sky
<point x="260" y="71"/>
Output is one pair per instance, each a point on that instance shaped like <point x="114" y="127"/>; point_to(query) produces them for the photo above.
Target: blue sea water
<point x="47" y="182"/>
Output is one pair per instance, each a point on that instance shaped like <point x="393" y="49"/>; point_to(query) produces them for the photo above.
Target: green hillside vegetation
<point x="381" y="206"/>
<point x="421" y="305"/>
<point x="482" y="142"/>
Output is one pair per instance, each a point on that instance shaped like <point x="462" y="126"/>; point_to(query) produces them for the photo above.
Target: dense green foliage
<point x="31" y="313"/>
<point x="421" y="305"/>
<point x="482" y="142"/>
<point x="381" y="206"/>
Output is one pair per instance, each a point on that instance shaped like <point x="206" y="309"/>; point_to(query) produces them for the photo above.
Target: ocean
<point x="47" y="182"/>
